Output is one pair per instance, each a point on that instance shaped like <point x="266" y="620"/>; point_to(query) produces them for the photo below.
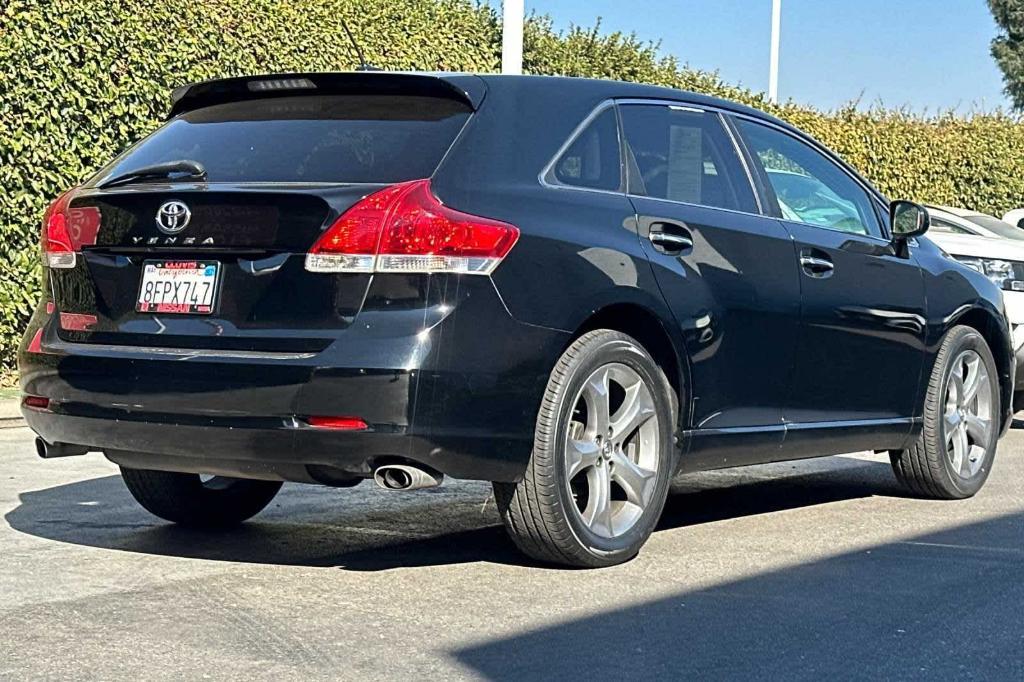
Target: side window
<point x="592" y="159"/>
<point x="684" y="155"/>
<point x="810" y="188"/>
<point x="940" y="225"/>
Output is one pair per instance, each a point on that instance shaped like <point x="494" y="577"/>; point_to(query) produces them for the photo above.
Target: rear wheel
<point x="192" y="500"/>
<point x="603" y="456"/>
<point x="953" y="455"/>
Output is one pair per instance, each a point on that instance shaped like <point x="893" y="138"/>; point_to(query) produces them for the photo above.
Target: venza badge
<point x="173" y="217"/>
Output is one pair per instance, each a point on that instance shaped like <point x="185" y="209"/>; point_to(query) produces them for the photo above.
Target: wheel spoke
<point x="579" y="456"/>
<point x="636" y="482"/>
<point x="955" y="391"/>
<point x="978" y="429"/>
<point x="967" y="467"/>
<point x="598" y="409"/>
<point x="958" y="450"/>
<point x="961" y="450"/>
<point x="952" y="420"/>
<point x="598" y="514"/>
<point x="978" y="390"/>
<point x="972" y="382"/>
<point x="637" y="407"/>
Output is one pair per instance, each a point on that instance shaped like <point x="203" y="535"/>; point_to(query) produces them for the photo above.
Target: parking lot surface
<point x="797" y="570"/>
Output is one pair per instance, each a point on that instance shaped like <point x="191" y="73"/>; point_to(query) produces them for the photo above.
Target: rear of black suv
<point x="270" y="287"/>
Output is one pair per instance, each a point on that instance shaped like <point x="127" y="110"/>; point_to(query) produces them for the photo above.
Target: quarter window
<point x="809" y="187"/>
<point x="684" y="155"/>
<point x="592" y="159"/>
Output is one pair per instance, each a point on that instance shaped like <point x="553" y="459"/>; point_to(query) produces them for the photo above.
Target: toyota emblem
<point x="173" y="217"/>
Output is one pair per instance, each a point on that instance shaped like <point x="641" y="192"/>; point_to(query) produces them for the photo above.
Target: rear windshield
<point x="339" y="138"/>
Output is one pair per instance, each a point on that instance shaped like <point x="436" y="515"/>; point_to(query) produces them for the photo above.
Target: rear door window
<point x="684" y="154"/>
<point x="592" y="159"/>
<point x="308" y="139"/>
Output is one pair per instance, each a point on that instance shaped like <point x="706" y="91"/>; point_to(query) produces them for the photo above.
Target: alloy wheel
<point x="968" y="415"/>
<point x="611" y="450"/>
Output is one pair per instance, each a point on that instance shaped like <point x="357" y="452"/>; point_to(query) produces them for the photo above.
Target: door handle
<point x="671" y="242"/>
<point x="670" y="238"/>
<point x="816" y="267"/>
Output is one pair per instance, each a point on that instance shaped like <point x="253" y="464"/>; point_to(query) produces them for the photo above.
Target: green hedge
<point x="80" y="80"/>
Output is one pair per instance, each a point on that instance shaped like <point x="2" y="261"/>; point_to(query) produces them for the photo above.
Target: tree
<point x="1008" y="47"/>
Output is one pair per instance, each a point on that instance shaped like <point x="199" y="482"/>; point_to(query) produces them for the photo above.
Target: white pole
<point x="773" y="68"/>
<point x="512" y="37"/>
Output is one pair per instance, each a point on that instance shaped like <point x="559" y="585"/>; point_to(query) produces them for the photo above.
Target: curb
<point x="10" y="413"/>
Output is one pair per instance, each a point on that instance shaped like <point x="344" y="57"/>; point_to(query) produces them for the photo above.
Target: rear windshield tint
<point x="341" y="138"/>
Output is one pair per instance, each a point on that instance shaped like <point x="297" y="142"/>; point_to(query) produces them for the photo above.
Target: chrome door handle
<point x="817" y="267"/>
<point x="816" y="263"/>
<point x="671" y="242"/>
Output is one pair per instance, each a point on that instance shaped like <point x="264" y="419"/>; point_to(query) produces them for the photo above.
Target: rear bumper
<point x="269" y="448"/>
<point x="454" y="384"/>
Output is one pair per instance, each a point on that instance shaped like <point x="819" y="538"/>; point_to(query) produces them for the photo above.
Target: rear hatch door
<point x="219" y="263"/>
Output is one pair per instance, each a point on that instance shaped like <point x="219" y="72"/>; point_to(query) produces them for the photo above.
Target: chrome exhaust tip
<point x="405" y="477"/>
<point x="51" y="450"/>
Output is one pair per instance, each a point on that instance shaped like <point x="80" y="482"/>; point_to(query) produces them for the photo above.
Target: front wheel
<point x="953" y="455"/>
<point x="191" y="500"/>
<point x="603" y="457"/>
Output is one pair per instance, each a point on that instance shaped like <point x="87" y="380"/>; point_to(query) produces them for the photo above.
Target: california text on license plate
<point x="178" y="287"/>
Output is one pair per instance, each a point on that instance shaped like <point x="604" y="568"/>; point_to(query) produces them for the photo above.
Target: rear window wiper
<point x="158" y="171"/>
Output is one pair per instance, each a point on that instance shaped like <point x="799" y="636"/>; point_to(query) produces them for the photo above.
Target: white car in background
<point x="1015" y="217"/>
<point x="996" y="249"/>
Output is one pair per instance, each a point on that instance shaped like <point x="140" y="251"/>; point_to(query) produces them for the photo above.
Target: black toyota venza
<point x="573" y="288"/>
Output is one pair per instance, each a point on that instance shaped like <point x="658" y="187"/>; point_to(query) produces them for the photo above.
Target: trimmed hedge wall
<point x="82" y="79"/>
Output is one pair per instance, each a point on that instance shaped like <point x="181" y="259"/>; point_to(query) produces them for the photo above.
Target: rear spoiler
<point x="462" y="87"/>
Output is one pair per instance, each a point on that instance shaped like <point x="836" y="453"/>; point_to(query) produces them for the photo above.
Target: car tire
<point x="189" y="500"/>
<point x="597" y="479"/>
<point x="953" y="456"/>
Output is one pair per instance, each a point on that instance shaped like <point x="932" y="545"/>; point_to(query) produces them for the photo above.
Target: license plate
<point x="175" y="286"/>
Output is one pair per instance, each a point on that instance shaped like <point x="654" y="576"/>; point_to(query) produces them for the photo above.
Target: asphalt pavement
<point x="809" y="570"/>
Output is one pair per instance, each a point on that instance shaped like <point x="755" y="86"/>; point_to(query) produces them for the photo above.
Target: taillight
<point x="66" y="230"/>
<point x="405" y="228"/>
<point x="58" y="252"/>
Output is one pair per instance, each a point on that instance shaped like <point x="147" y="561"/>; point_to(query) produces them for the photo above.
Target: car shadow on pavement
<point x="943" y="605"/>
<point x="364" y="529"/>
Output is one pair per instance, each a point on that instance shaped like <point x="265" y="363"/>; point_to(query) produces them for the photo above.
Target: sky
<point x="929" y="55"/>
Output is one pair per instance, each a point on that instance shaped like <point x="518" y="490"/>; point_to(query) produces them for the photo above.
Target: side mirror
<point x="908" y="220"/>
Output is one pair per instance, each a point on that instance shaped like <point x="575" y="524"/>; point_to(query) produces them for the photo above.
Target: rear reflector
<point x="36" y="344"/>
<point x="339" y="423"/>
<point x="405" y="228"/>
<point x="36" y="402"/>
